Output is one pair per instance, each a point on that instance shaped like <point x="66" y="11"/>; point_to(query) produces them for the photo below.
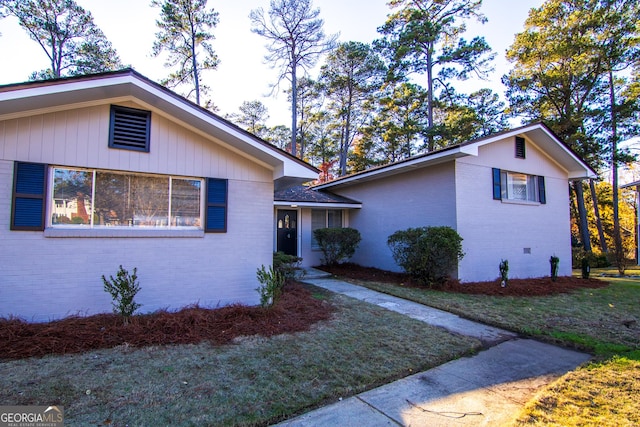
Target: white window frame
<point x="508" y="187"/>
<point x="93" y="230"/>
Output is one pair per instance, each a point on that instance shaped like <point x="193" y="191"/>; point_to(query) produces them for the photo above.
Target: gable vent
<point x="129" y="128"/>
<point x="520" y="148"/>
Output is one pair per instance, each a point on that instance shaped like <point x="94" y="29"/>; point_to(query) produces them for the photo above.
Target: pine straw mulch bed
<point x="516" y="287"/>
<point x="296" y="311"/>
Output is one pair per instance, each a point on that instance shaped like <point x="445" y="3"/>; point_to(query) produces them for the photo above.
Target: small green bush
<point x="337" y="244"/>
<point x="272" y="282"/>
<point x="428" y="254"/>
<point x="286" y="264"/>
<point x="554" y="261"/>
<point x="595" y="260"/>
<point x="123" y="289"/>
<point x="504" y="272"/>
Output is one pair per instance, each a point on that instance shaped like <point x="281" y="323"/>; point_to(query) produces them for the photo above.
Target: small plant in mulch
<point x="504" y="273"/>
<point x="296" y="311"/>
<point x="554" y="261"/>
<point x="123" y="289"/>
<point x="271" y="284"/>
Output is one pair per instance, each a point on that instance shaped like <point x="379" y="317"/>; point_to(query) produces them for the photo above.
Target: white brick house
<point x="507" y="195"/>
<point x="113" y="169"/>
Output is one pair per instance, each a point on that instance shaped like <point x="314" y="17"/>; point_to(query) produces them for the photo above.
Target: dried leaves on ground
<point x="296" y="311"/>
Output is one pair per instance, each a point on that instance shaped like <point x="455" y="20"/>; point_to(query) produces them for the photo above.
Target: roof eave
<point x="33" y="98"/>
<point x="329" y="205"/>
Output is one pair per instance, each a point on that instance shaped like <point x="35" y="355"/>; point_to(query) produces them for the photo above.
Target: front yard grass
<point x="605" y="322"/>
<point x="255" y="381"/>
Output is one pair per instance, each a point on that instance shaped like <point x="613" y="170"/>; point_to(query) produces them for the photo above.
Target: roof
<point x="537" y="132"/>
<point x="38" y="97"/>
<point x="305" y="196"/>
<point x="631" y="184"/>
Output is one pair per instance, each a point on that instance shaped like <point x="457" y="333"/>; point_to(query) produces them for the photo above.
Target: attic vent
<point x="520" y="150"/>
<point x="129" y="128"/>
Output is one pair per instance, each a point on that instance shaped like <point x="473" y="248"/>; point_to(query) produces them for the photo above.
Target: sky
<point x="242" y="74"/>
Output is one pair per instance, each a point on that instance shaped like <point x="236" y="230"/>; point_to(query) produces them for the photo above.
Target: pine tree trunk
<point x="294" y="108"/>
<point x="596" y="213"/>
<point x="583" y="225"/>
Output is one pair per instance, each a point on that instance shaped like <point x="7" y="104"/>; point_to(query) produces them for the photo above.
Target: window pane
<point x="318" y="220"/>
<point x="71" y="197"/>
<point x="113" y="200"/>
<point x="334" y="219"/>
<point x="150" y="198"/>
<point x="131" y="200"/>
<point x="532" y="188"/>
<point x="185" y="202"/>
<point x="517" y="186"/>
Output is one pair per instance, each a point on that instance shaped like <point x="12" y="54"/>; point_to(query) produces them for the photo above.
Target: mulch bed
<point x="296" y="311"/>
<point x="516" y="287"/>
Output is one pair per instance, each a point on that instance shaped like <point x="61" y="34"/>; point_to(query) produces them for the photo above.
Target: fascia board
<point x="26" y="101"/>
<point x="281" y="203"/>
<point x="394" y="169"/>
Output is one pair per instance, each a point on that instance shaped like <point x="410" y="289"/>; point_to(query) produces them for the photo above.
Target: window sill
<point x="122" y="232"/>
<point x="520" y="202"/>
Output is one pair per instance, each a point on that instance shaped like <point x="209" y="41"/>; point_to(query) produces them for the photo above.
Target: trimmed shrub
<point x="337" y="244"/>
<point x="286" y="264"/>
<point x="428" y="254"/>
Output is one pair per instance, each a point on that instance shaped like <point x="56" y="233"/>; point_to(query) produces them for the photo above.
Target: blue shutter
<point x="28" y="204"/>
<point x="497" y="190"/>
<point x="216" y="206"/>
<point x="542" y="196"/>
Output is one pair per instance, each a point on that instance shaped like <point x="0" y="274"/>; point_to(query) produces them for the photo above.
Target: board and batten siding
<point x="51" y="277"/>
<point x="525" y="234"/>
<point x="416" y="198"/>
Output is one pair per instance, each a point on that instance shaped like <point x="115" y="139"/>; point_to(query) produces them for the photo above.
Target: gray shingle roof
<point x="302" y="194"/>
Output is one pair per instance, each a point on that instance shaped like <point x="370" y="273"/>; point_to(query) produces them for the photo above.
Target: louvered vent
<point x="520" y="148"/>
<point x="129" y="128"/>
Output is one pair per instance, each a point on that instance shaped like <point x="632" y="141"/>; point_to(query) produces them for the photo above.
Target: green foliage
<point x="67" y="34"/>
<point x="352" y="76"/>
<point x="428" y="254"/>
<point x="185" y="34"/>
<point x="272" y="282"/>
<point x="554" y="261"/>
<point x="286" y="264"/>
<point x="337" y="244"/>
<point x="504" y="272"/>
<point x="594" y="260"/>
<point x="123" y="289"/>
<point x="426" y="37"/>
<point x="296" y="39"/>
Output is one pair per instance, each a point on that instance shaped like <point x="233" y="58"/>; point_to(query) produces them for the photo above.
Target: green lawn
<point x="255" y="381"/>
<point x="605" y="322"/>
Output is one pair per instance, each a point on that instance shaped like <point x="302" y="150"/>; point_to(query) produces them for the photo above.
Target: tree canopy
<point x="425" y="36"/>
<point x="296" y="40"/>
<point x="67" y="34"/>
<point x="186" y="34"/>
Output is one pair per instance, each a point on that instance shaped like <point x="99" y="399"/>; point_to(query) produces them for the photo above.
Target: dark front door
<point x="288" y="232"/>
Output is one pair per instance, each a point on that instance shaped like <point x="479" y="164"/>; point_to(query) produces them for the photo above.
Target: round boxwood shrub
<point x="337" y="244"/>
<point x="428" y="254"/>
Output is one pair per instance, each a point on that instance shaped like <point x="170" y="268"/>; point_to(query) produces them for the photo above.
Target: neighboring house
<point x="507" y="195"/>
<point x="113" y="169"/>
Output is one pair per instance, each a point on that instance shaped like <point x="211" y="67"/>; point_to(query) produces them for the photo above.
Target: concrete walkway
<point x="486" y="389"/>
